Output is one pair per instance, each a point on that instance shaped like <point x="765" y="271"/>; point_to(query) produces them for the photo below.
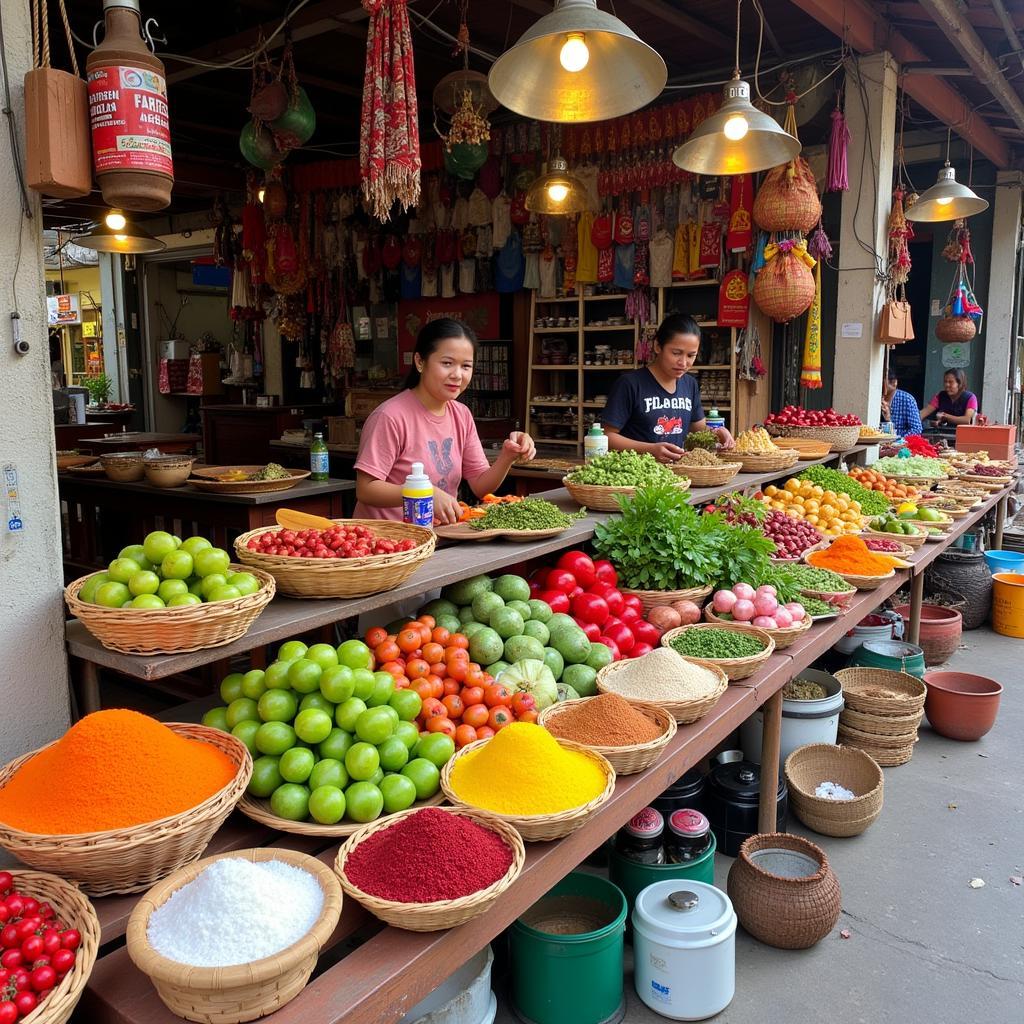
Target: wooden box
<point x="341" y="430"/>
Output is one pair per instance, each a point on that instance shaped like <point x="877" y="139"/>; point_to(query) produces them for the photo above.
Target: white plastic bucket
<point x="465" y="997"/>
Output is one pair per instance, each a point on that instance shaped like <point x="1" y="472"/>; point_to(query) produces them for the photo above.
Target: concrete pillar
<point x="33" y="666"/>
<point x="1000" y="323"/>
<point x="871" y="115"/>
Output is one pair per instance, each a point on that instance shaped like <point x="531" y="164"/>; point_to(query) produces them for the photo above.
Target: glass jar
<point x="640" y="838"/>
<point x="689" y="836"/>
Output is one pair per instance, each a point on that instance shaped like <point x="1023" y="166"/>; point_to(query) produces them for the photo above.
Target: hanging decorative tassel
<point x="900" y="233"/>
<point x="837" y="179"/>
<point x="818" y="245"/>
<point x="810" y="373"/>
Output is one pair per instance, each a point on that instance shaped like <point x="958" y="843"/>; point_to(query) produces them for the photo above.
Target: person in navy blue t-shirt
<point x="653" y="409"/>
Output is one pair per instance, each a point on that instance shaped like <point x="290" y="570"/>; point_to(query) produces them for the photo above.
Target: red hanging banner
<point x="740" y="233"/>
<point x="733" y="300"/>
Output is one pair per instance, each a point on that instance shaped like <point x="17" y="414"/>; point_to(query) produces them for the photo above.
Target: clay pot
<point x="784" y="891"/>
<point x="941" y="629"/>
<point x="961" y="706"/>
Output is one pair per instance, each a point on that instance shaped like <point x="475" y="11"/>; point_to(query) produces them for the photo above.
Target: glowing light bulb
<point x="120" y="238"/>
<point x="557" y="192"/>
<point x="944" y="200"/>
<point x="115" y="220"/>
<point x="575" y="54"/>
<point x="260" y="194"/>
<point x="735" y="128"/>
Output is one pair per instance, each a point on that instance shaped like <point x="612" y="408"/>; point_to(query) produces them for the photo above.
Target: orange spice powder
<point x="112" y="769"/>
<point x="852" y="556"/>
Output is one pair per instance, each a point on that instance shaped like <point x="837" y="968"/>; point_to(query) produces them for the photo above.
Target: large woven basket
<point x="862" y="686"/>
<point x="606" y="499"/>
<point x="432" y="917"/>
<point x="990" y="483"/>
<point x="241" y="992"/>
<point x="734" y="668"/>
<point x="708" y="476"/>
<point x="539" y="827"/>
<point x="785" y="459"/>
<point x="783" y="637"/>
<point x="858" y="738"/>
<point x="839" y="438"/>
<point x="808" y="766"/>
<point x="73" y="910"/>
<point x="855" y="579"/>
<point x="881" y="725"/>
<point x="132" y="859"/>
<point x="955" y="329"/>
<point x="343" y="577"/>
<point x="685" y="712"/>
<point x="914" y="540"/>
<point x="886" y="757"/>
<point x="177" y="630"/>
<point x="654" y="598"/>
<point x="636" y="757"/>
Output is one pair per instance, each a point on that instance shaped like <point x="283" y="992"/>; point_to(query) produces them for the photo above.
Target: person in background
<point x="426" y="423"/>
<point x="953" y="405"/>
<point x="899" y="408"/>
<point x="56" y="361"/>
<point x="654" y="408"/>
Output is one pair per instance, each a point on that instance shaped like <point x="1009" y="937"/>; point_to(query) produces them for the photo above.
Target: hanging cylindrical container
<point x="684" y="942"/>
<point x="131" y="132"/>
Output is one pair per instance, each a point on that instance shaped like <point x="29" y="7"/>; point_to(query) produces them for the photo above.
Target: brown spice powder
<point x="606" y="720"/>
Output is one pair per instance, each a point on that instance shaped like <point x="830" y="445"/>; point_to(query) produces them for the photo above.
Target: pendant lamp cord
<point x="949" y="133"/>
<point x="736" y="69"/>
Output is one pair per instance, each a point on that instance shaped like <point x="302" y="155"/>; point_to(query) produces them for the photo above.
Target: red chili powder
<point x="429" y="856"/>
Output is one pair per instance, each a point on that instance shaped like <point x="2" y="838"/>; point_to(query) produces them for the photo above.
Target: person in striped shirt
<point x="899" y="408"/>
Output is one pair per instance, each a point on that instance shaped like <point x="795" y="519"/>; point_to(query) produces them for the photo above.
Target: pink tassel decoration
<point x="818" y="245"/>
<point x="837" y="179"/>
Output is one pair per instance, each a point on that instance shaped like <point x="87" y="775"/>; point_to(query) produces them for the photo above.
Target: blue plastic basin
<point x="1005" y="561"/>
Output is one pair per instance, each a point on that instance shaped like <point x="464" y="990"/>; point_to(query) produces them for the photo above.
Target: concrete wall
<point x="33" y="667"/>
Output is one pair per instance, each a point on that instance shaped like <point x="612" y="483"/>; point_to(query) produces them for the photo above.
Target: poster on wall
<point x="956" y="356"/>
<point x="480" y="312"/>
<point x="63" y="310"/>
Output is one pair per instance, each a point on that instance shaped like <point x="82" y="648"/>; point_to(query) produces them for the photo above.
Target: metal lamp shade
<point x="449" y="91"/>
<point x="130" y="240"/>
<point x="622" y="74"/>
<point x="947" y="199"/>
<point x="709" y="151"/>
<point x="539" y="199"/>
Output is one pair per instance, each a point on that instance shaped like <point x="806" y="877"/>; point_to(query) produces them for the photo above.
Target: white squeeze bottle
<point x="595" y="442"/>
<point x="418" y="498"/>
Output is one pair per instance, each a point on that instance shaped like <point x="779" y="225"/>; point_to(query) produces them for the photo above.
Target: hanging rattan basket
<point x="955" y="329"/>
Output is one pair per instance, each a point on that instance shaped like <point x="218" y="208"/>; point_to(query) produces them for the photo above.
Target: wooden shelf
<point x="558" y="441"/>
<point x="616" y="366"/>
<point x="554" y="366"/>
<point x="609" y="327"/>
<point x="567" y="298"/>
<point x="556" y="330"/>
<point x="594" y="405"/>
<point x="554" y="404"/>
<point x="605" y="298"/>
<point x="712" y="366"/>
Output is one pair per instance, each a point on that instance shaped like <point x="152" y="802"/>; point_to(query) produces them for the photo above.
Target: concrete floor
<point x="924" y="947"/>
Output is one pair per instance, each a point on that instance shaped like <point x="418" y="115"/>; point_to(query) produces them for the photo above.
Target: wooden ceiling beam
<point x="868" y="32"/>
<point x="979" y="17"/>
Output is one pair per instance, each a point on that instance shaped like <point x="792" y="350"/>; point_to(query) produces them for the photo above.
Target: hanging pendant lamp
<point x="577" y="64"/>
<point x="738" y="138"/>
<point x="947" y="199"/>
<point x="118" y="234"/>
<point x="557" y="191"/>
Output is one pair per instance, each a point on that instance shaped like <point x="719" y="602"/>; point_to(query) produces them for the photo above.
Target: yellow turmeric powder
<point x="523" y="770"/>
<point x="112" y="769"/>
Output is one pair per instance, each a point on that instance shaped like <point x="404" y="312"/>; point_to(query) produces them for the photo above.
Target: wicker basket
<point x="685" y="712"/>
<point x="786" y="458"/>
<point x="955" y="329"/>
<point x="241" y="992"/>
<point x="858" y="684"/>
<point x="132" y="859"/>
<point x="857" y="738"/>
<point x="343" y="577"/>
<point x="841" y="600"/>
<point x="71" y="461"/>
<point x="905" y="550"/>
<point x="606" y="499"/>
<point x="886" y="758"/>
<point x="259" y="810"/>
<point x="734" y="668"/>
<point x="178" y="630"/>
<point x="433" y="917"/>
<point x="783" y="637"/>
<point x="856" y="580"/>
<point x="881" y="725"/>
<point x="708" y="476"/>
<point x="943" y="524"/>
<point x="911" y="540"/>
<point x="636" y="757"/>
<point x="539" y="827"/>
<point x="654" y="598"/>
<point x="73" y="910"/>
<point x="839" y="438"/>
<point x="990" y="483"/>
<point x="808" y="766"/>
<point x="808" y="448"/>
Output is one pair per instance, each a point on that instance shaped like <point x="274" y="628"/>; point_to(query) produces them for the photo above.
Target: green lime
<point x="436" y="748"/>
<point x="242" y="710"/>
<point x="328" y="772"/>
<point x="276" y="676"/>
<point x="292" y="650"/>
<point x="217" y="718"/>
<point x="362" y="681"/>
<point x="336" y="745"/>
<point x="327" y="805"/>
<point x="87" y="593"/>
<point x="304" y="675"/>
<point x="355" y="654"/>
<point x="231" y="687"/>
<point x="408" y="734"/>
<point x="146" y="601"/>
<point x="394" y="754"/>
<point x="290" y="801"/>
<point x="171" y="588"/>
<point x="278" y="706"/>
<point x="399" y="792"/>
<point x="407" y="703"/>
<point x="337" y="683"/>
<point x="313" y="725"/>
<point x="363" y="801"/>
<point x="296" y="764"/>
<point x="424" y="776"/>
<point x="275" y="738"/>
<point x="253" y="684"/>
<point x="347" y="713"/>
<point x="266" y="777"/>
<point x="323" y="654"/>
<point x="362" y="761"/>
<point x="383" y="688"/>
<point x="144" y="582"/>
<point x="246" y="732"/>
<point x="375" y="725"/>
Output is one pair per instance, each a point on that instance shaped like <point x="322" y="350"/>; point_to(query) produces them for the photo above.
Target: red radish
<point x="765" y="604"/>
<point x="640" y="649"/>
<point x="783" y="618"/>
<point x="796" y="610"/>
<point x="724" y="601"/>
<point x="561" y="579"/>
<point x="581" y="565"/>
<point x="743" y="610"/>
<point x="591" y="629"/>
<point x="558" y="601"/>
<point x="590" y="608"/>
<point x="664" y="617"/>
<point x="622" y="635"/>
<point x="632" y="601"/>
<point x="630" y="615"/>
<point x="765" y="622"/>
<point x="743" y="592"/>
<point x="689" y="613"/>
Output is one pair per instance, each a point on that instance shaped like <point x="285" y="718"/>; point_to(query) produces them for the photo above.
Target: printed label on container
<point x="128" y="114"/>
<point x="661" y="993"/>
<point x="320" y="462"/>
<point x="418" y="511"/>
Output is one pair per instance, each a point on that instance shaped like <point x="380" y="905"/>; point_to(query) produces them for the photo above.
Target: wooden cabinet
<point x="241" y="434"/>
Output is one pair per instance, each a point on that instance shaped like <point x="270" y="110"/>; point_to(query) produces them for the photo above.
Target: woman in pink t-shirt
<point x="426" y="423"/>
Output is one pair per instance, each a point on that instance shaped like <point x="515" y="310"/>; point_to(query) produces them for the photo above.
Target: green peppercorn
<point x="625" y="468"/>
<point x="528" y="514"/>
<point x="716" y="644"/>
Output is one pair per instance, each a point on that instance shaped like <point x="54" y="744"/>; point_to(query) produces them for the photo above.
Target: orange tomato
<point x="439" y="668"/>
<point x="416" y="668"/>
<point x="428" y="620"/>
<point x="402" y="683"/>
<point x="475" y="715"/>
<point x="440" y="635"/>
<point x="433" y="708"/>
<point x="387" y="651"/>
<point x="450" y="686"/>
<point x="458" y="640"/>
<point x="445" y="725"/>
<point x="424" y="631"/>
<point x="433" y="652"/>
<point x="523" y="702"/>
<point x="527" y="716"/>
<point x="473" y="695"/>
<point x="455" y="654"/>
<point x="457" y="669"/>
<point x="497" y="695"/>
<point x="484" y="732"/>
<point x="474" y="675"/>
<point x="424" y="689"/>
<point x="499" y="717"/>
<point x="464" y="734"/>
<point x="409" y="640"/>
<point x="376" y="636"/>
<point x="396" y="668"/>
<point x="453" y="702"/>
<point x="437" y="683"/>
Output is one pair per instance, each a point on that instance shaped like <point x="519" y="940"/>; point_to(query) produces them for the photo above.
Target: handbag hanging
<point x="895" y="325"/>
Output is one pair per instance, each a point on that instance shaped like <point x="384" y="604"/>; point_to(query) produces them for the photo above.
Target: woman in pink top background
<point x="426" y="423"/>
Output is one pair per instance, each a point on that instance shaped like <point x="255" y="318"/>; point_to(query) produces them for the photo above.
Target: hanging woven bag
<point x="784" y="287"/>
<point x="955" y="329"/>
<point x="788" y="198"/>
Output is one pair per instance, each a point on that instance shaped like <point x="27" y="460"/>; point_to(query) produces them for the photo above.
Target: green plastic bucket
<point x="895" y="655"/>
<point x="570" y="978"/>
<point x="631" y="877"/>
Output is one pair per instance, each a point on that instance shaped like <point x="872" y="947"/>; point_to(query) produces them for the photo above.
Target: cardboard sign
<point x="63" y="309"/>
<point x="733" y="300"/>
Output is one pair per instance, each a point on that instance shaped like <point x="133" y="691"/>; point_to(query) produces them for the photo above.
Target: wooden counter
<point x="241" y="434"/>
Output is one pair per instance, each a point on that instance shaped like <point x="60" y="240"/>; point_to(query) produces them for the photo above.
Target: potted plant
<point x="99" y="388"/>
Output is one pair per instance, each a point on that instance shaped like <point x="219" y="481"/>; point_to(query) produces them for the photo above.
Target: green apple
<point x="88" y="590"/>
<point x="144" y="582"/>
<point x="211" y="560"/>
<point x="193" y="545"/>
<point x="245" y="582"/>
<point x="291" y="650"/>
<point x="137" y="553"/>
<point x="180" y="600"/>
<point x="171" y="588"/>
<point x="355" y="654"/>
<point x="146" y="601"/>
<point x="158" y="545"/>
<point x="210" y="583"/>
<point x="323" y="654"/>
<point x="123" y="569"/>
<point x="177" y="565"/>
<point x="223" y="593"/>
<point x="112" y="595"/>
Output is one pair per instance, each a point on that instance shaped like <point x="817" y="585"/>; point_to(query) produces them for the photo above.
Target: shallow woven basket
<point x="132" y="859"/>
<point x="870" y="739"/>
<point x="685" y="712"/>
<point x="990" y="483"/>
<point x="343" y="577"/>
<point x="433" y="917"/>
<point x="73" y="910"/>
<point x="783" y="637"/>
<point x="906" y="551"/>
<point x="539" y="827"/>
<point x="808" y="766"/>
<point x="911" y="540"/>
<point x="855" y="579"/>
<point x="636" y="757"/>
<point x="708" y="476"/>
<point x="881" y="725"/>
<point x="825" y="542"/>
<point x="857" y="681"/>
<point x="605" y="499"/>
<point x="193" y="627"/>
<point x="653" y="598"/>
<point x="786" y="458"/>
<point x="241" y="992"/>
<point x="943" y="524"/>
<point x="841" y="599"/>
<point x="734" y="668"/>
<point x="886" y="758"/>
<point x="838" y="438"/>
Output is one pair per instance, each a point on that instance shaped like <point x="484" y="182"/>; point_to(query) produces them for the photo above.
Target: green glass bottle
<point x="319" y="459"/>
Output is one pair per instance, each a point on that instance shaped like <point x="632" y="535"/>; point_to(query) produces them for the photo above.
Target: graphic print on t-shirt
<point x="669" y="425"/>
<point x="442" y="459"/>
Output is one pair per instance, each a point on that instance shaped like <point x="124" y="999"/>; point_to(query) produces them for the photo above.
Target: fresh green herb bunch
<point x="872" y="503"/>
<point x="528" y="514"/>
<point x="701" y="439"/>
<point x="716" y="643"/>
<point x="625" y="468"/>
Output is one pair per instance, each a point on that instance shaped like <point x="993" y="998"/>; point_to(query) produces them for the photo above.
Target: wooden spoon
<point x="291" y="519"/>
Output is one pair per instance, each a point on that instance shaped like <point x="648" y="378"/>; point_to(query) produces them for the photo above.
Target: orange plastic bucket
<point x="1008" y="603"/>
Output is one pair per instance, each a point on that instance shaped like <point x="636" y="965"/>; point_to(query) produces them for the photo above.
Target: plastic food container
<point x="684" y="941"/>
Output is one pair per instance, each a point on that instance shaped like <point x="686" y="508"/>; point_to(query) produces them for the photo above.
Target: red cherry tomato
<point x="632" y="601"/>
<point x="629" y="615"/>
<point x="499" y="717"/>
<point x="590" y="608"/>
<point x="580" y="564"/>
<point x="622" y="635"/>
<point x="646" y="632"/>
<point x="558" y="601"/>
<point x="591" y="629"/>
<point x="605" y="572"/>
<point x="561" y="579"/>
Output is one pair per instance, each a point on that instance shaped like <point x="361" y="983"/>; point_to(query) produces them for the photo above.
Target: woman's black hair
<point x="891" y="377"/>
<point x="431" y="336"/>
<point x="676" y="323"/>
<point x="959" y="376"/>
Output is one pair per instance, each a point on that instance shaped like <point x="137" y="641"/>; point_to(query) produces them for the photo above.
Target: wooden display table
<point x="139" y="441"/>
